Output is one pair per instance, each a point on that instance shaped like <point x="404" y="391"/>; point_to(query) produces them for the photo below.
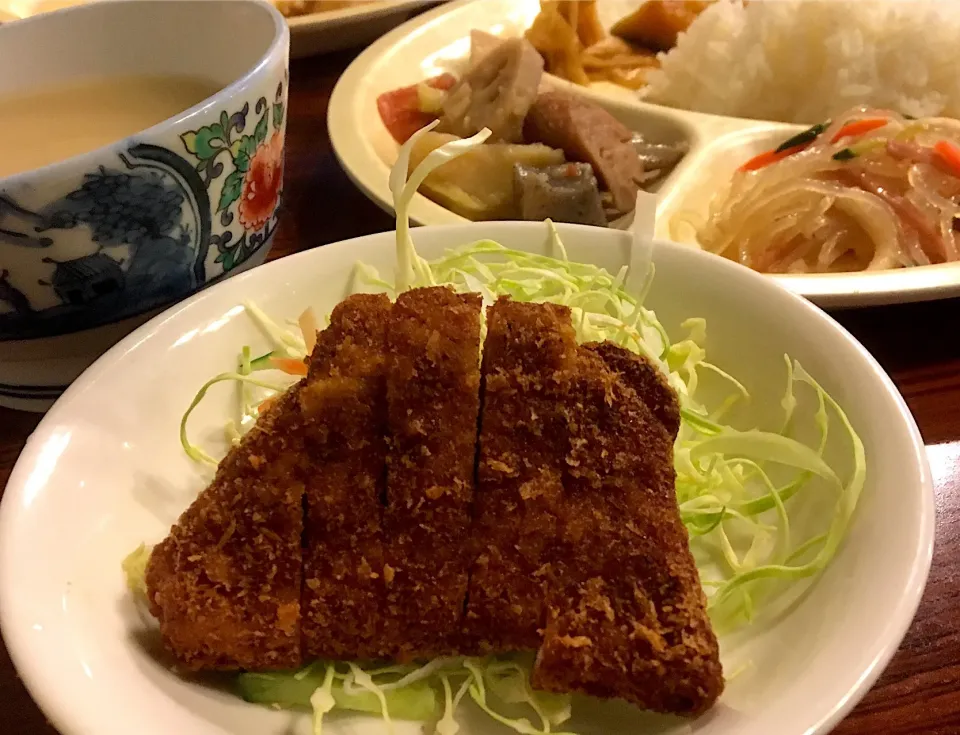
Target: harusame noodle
<point x="870" y="190"/>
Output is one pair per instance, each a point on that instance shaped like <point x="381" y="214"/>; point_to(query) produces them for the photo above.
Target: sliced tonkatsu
<point x="529" y="354"/>
<point x="404" y="502"/>
<point x="646" y="379"/>
<point x="629" y="620"/>
<point x="433" y="396"/>
<point x="344" y="407"/>
<point x="225" y="584"/>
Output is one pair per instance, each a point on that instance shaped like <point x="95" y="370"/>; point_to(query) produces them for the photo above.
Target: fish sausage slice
<point x="586" y="132"/>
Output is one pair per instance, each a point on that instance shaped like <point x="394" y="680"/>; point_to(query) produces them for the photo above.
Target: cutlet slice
<point x="528" y="355"/>
<point x="344" y="409"/>
<point x="225" y="584"/>
<point x="630" y="619"/>
<point x="646" y="379"/>
<point x="433" y="385"/>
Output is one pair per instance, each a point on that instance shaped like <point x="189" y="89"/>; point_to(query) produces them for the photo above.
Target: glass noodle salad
<point x="745" y="494"/>
<point x="870" y="190"/>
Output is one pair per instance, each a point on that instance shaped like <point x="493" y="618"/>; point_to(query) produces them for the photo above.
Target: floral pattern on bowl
<point x="160" y="223"/>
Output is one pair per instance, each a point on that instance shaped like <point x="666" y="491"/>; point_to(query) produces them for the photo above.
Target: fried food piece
<point x="644" y="377"/>
<point x="528" y="354"/>
<point x="433" y="385"/>
<point x="557" y="41"/>
<point x="225" y="584"/>
<point x="615" y="60"/>
<point x="630" y="619"/>
<point x="294" y="8"/>
<point x="574" y="46"/>
<point x="344" y="407"/>
<point x="581" y="15"/>
<point x="657" y="24"/>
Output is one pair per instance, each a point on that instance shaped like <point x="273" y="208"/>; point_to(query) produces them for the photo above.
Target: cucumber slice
<point x="262" y="363"/>
<point x="415" y="702"/>
<point x="280" y="688"/>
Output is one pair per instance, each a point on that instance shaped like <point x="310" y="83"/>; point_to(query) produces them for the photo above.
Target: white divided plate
<point x="438" y="41"/>
<point x="104" y="472"/>
<point x="311" y="34"/>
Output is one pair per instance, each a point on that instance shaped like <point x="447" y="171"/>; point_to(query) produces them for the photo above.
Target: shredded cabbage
<point x="745" y="495"/>
<point x="135" y="569"/>
<point x="410" y="692"/>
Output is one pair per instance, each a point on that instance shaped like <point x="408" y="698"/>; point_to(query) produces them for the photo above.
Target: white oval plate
<point x="104" y="471"/>
<point x="311" y="34"/>
<point x="438" y="41"/>
<point x="333" y="30"/>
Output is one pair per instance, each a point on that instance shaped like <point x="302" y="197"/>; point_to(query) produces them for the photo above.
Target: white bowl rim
<point x="57" y="708"/>
<point x="280" y="41"/>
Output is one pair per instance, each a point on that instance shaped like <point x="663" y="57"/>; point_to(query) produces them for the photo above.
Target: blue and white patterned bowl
<point x="92" y="246"/>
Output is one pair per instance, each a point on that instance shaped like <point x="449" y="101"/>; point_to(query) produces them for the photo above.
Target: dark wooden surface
<point x="919" y="693"/>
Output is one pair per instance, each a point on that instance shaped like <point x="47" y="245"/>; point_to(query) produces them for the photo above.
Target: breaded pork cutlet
<point x="630" y="620"/>
<point x="529" y="352"/>
<point x="646" y="379"/>
<point x="225" y="584"/>
<point x="433" y="385"/>
<point x="359" y="481"/>
<point x="344" y="408"/>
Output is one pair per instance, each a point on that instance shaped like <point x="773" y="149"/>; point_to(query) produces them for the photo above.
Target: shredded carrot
<point x="308" y="327"/>
<point x="289" y="365"/>
<point x="859" y="127"/>
<point x="948" y="154"/>
<point x="772" y="156"/>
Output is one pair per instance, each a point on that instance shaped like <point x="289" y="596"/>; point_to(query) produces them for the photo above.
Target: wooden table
<point x="920" y="692"/>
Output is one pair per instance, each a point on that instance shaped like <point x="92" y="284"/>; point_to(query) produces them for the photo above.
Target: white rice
<point x="805" y="61"/>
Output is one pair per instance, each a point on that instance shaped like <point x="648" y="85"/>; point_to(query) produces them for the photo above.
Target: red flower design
<point x="261" y="185"/>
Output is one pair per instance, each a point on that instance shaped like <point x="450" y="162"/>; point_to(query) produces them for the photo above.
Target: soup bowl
<point x="93" y="245"/>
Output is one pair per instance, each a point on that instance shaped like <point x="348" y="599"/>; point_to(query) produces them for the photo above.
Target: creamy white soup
<point x="48" y="124"/>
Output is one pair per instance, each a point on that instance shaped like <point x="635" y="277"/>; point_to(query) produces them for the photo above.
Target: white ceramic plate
<point x="438" y="41"/>
<point x="319" y="33"/>
<point x="104" y="471"/>
<point x="311" y="34"/>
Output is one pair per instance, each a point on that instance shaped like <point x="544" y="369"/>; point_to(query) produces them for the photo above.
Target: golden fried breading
<point x="344" y="408"/>
<point x="360" y="480"/>
<point x="630" y="619"/>
<point x="433" y="386"/>
<point x="225" y="584"/>
<point x="528" y="354"/>
<point x="646" y="379"/>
